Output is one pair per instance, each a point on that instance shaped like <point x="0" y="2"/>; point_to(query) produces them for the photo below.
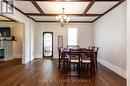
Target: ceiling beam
<point x="7" y="21"/>
<point x="24" y="13"/>
<point x="38" y="14"/>
<point x="69" y="21"/>
<point x="38" y="7"/>
<point x="18" y="10"/>
<point x="88" y="7"/>
<point x="109" y="10"/>
<point x="70" y="0"/>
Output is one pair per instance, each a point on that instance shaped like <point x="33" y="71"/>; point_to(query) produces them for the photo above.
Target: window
<point x="72" y="36"/>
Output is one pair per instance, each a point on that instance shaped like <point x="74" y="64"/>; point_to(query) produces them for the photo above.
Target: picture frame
<point x="60" y="41"/>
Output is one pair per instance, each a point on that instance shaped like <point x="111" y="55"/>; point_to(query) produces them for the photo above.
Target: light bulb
<point x="65" y="17"/>
<point x="57" y="18"/>
<point x="60" y="16"/>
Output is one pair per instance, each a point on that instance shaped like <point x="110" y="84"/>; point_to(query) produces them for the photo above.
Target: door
<point x="47" y="44"/>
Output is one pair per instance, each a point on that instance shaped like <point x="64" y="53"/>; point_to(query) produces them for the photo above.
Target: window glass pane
<point x="72" y="36"/>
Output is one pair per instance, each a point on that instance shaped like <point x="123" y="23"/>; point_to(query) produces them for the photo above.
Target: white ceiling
<point x="56" y="7"/>
<point x="48" y="7"/>
<point x="26" y="7"/>
<point x="101" y="7"/>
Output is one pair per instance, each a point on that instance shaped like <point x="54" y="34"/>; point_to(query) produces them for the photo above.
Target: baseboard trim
<point x="40" y="56"/>
<point x="17" y="56"/>
<point x="113" y="67"/>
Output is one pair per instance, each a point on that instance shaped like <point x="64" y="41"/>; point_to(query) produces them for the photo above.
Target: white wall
<point x="128" y="42"/>
<point x="17" y="31"/>
<point x="110" y="36"/>
<point x="84" y="36"/>
<point x="27" y="53"/>
<point x="32" y="40"/>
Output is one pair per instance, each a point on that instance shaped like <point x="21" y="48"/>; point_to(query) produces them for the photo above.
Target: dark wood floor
<point x="45" y="73"/>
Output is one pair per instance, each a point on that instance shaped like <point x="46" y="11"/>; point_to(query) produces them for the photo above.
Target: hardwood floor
<point x="45" y="73"/>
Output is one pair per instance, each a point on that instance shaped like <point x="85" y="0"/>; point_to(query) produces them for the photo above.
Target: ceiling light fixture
<point x="63" y="18"/>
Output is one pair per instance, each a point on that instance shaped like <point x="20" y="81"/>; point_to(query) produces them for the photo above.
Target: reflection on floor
<point x="45" y="73"/>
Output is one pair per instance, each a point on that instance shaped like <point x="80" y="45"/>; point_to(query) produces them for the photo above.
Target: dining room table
<point x="66" y="51"/>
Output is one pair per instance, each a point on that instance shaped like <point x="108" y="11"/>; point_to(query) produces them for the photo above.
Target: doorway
<point x="12" y="41"/>
<point x="47" y="44"/>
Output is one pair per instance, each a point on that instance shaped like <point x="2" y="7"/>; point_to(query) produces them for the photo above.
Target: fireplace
<point x="1" y="53"/>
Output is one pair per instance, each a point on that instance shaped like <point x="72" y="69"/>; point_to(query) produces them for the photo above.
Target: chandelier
<point x="63" y="19"/>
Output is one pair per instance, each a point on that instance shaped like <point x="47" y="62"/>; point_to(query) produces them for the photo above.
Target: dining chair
<point x="62" y="59"/>
<point x="96" y="54"/>
<point x="91" y="47"/>
<point x="95" y="49"/>
<point x="75" y="61"/>
<point x="87" y="59"/>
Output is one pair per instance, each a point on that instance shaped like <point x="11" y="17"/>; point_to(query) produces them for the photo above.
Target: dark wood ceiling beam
<point x="38" y="7"/>
<point x="69" y="21"/>
<point x="88" y="7"/>
<point x="70" y="0"/>
<point x="7" y="21"/>
<point x="109" y="10"/>
<point x="19" y="10"/>
<point x="38" y="14"/>
<point x="24" y="13"/>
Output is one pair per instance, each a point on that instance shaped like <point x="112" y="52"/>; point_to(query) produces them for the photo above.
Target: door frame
<point x="43" y="45"/>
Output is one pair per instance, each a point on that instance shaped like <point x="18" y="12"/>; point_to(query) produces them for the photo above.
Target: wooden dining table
<point x="66" y="52"/>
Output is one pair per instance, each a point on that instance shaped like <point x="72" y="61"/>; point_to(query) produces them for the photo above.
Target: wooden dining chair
<point x="96" y="54"/>
<point x="74" y="60"/>
<point x="87" y="59"/>
<point x="91" y="47"/>
<point x="63" y="60"/>
<point x="95" y="49"/>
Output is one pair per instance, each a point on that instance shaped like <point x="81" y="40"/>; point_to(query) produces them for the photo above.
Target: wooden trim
<point x="7" y="21"/>
<point x="38" y="7"/>
<point x="38" y="14"/>
<point x="43" y="45"/>
<point x="71" y="0"/>
<point x="24" y="14"/>
<point x="31" y="18"/>
<point x="19" y="10"/>
<point x="88" y="7"/>
<point x="68" y="22"/>
<point x="109" y="10"/>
